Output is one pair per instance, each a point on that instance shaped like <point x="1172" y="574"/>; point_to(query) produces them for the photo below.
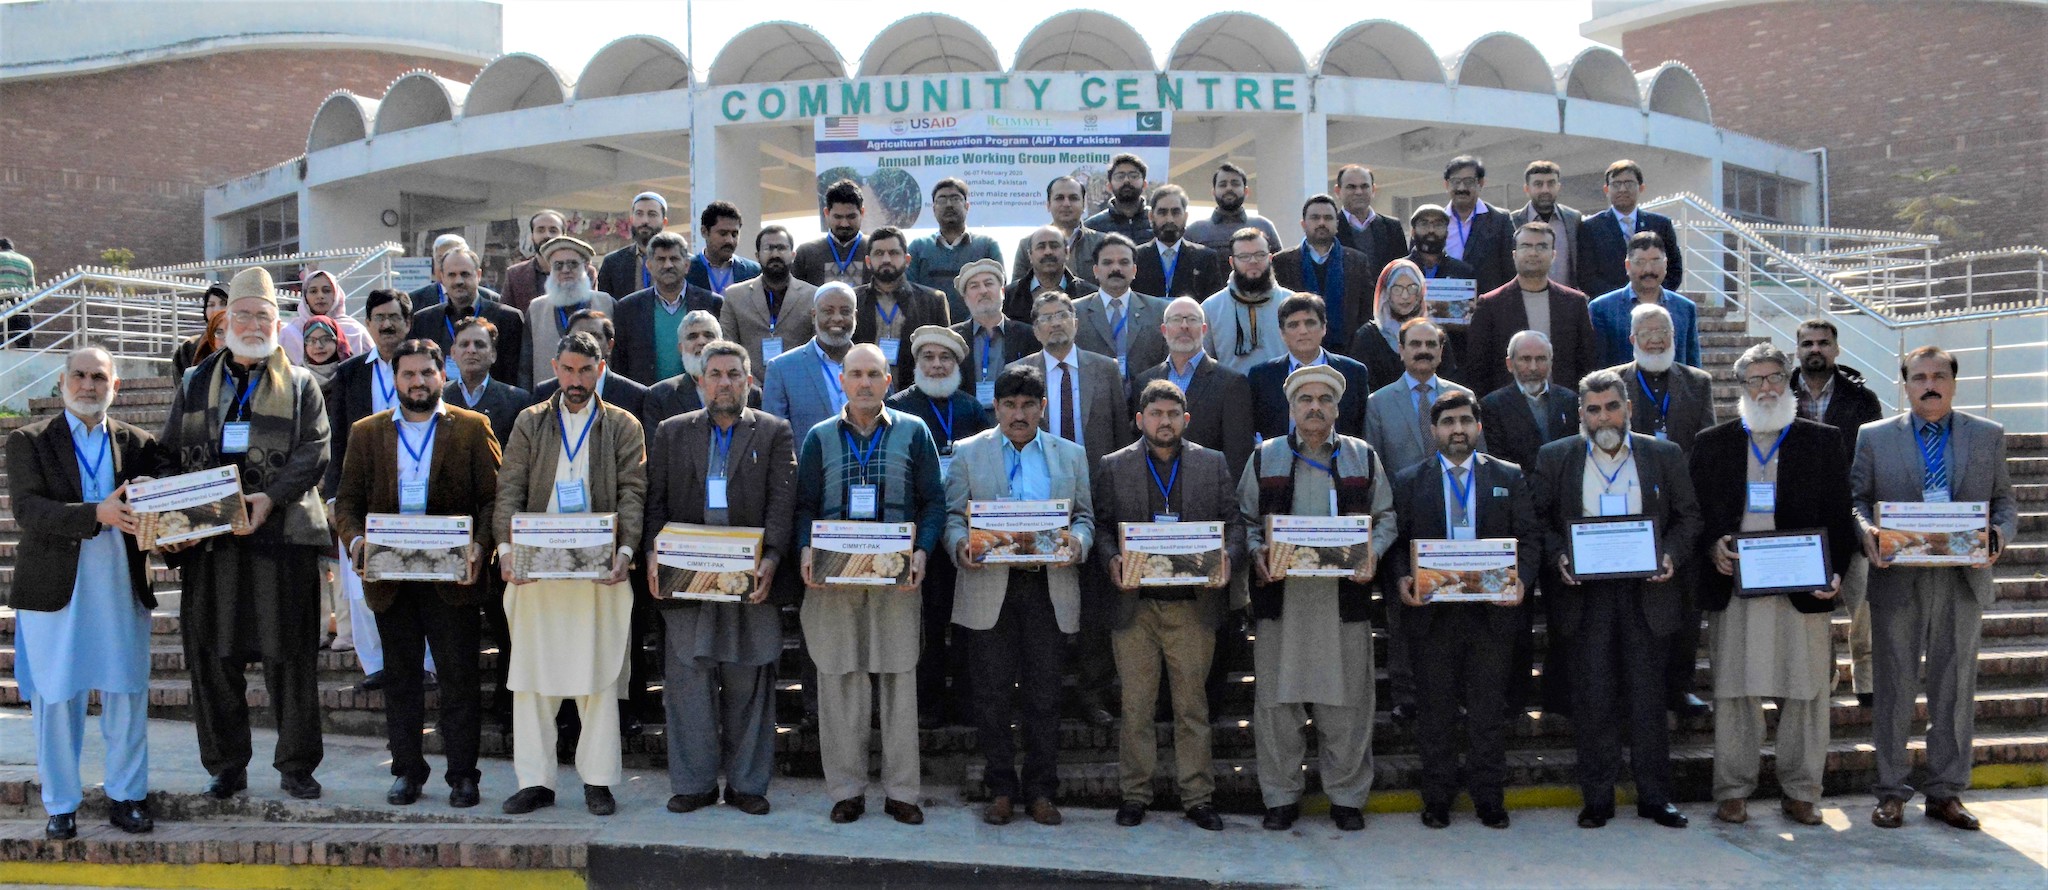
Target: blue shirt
<point x="1924" y="428"/>
<point x="1030" y="475"/>
<point x="1471" y="493"/>
<point x="1184" y="380"/>
<point x="1610" y="314"/>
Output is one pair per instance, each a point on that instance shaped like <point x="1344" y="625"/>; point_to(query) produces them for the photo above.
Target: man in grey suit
<point x="802" y="385"/>
<point x="1541" y="182"/>
<point x="769" y="314"/>
<point x="1117" y="321"/>
<point x="1017" y="618"/>
<point x="1204" y="381"/>
<point x="476" y="351"/>
<point x="1931" y="453"/>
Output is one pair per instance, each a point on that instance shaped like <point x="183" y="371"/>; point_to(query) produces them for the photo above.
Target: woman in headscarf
<point x="194" y="349"/>
<point x="1397" y="298"/>
<point x="323" y="348"/>
<point x="323" y="351"/>
<point x="320" y="295"/>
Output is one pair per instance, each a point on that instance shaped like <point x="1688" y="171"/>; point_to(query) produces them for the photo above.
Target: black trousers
<point x="419" y="618"/>
<point x="220" y="709"/>
<point x="1094" y="656"/>
<point x="942" y="662"/>
<point x="1461" y="661"/>
<point x="1685" y="644"/>
<point x="1619" y="665"/>
<point x="1021" y="656"/>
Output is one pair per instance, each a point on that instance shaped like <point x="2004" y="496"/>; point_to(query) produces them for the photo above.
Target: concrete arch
<point x="928" y="43"/>
<point x="771" y="52"/>
<point x="1239" y="42"/>
<point x="1503" y="61"/>
<point x="418" y="98"/>
<point x="343" y="117"/>
<point x="1380" y="50"/>
<point x="1600" y="74"/>
<point x="1084" y="40"/>
<point x="1671" y="88"/>
<point x="639" y="63"/>
<point x="511" y="82"/>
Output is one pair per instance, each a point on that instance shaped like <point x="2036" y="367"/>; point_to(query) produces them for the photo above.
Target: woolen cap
<point x="253" y="282"/>
<point x="932" y="333"/>
<point x="977" y="267"/>
<point x="1307" y="374"/>
<point x="569" y="241"/>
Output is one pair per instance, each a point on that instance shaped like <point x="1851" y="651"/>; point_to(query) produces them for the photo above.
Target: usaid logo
<point x="928" y="123"/>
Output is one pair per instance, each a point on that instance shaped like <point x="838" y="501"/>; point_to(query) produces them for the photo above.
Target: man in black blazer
<point x="1481" y="235"/>
<point x="476" y="387"/>
<point x="1322" y="265"/>
<point x="365" y="384"/>
<point x="911" y="305"/>
<point x="433" y="292"/>
<point x="622" y="271"/>
<point x="1505" y="311"/>
<point x="463" y="299"/>
<point x="993" y="339"/>
<point x="1462" y="652"/>
<point x="1206" y="382"/>
<point x="1049" y="269"/>
<point x="1618" y="631"/>
<point x="1603" y="237"/>
<point x="1197" y="270"/>
<point x="642" y="314"/>
<point x="1361" y="227"/>
<point x="678" y="396"/>
<point x="1671" y="400"/>
<point x="1302" y="326"/>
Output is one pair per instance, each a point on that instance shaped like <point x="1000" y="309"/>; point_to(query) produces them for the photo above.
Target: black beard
<point x="1128" y="194"/>
<point x="1817" y="363"/>
<point x="776" y="269"/>
<point x="1429" y="244"/>
<point x="1168" y="233"/>
<point x="1544" y="206"/>
<point x="885" y="274"/>
<point x="1229" y="204"/>
<point x="1257" y="285"/>
<point x="419" y="406"/>
<point x="1156" y="443"/>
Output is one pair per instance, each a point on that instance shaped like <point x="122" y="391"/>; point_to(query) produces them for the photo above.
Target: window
<point x="272" y="228"/>
<point x="1759" y="197"/>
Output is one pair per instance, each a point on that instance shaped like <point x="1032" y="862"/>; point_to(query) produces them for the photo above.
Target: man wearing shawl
<point x="1244" y="317"/>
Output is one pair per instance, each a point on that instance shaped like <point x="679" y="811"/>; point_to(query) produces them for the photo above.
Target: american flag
<point x="842" y="127"/>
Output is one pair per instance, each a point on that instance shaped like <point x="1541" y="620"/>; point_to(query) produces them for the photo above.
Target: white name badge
<point x="860" y="501"/>
<point x="714" y="493"/>
<point x="1123" y="366"/>
<point x="412" y="497"/>
<point x="985" y="393"/>
<point x="1166" y="517"/>
<point x="945" y="464"/>
<point x="770" y="348"/>
<point x="570" y="497"/>
<point x="1614" y="505"/>
<point x="889" y="345"/>
<point x="1763" y="497"/>
<point x="1333" y="497"/>
<point x="1463" y="532"/>
<point x="1661" y="437"/>
<point x="1935" y="495"/>
<point x="234" y="438"/>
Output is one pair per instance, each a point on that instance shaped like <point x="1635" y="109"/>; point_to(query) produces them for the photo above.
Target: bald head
<point x="865" y="376"/>
<point x="1048" y="253"/>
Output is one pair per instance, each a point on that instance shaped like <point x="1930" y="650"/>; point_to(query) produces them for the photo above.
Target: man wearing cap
<point x="1429" y="227"/>
<point x="1314" y="644"/>
<point x="953" y="416"/>
<point x="679" y="395"/>
<point x="463" y="298"/>
<point x="568" y="291"/>
<point x="1117" y="321"/>
<point x="254" y="595"/>
<point x="770" y="314"/>
<point x="528" y="278"/>
<point x="993" y="339"/>
<point x="936" y="259"/>
<point x="430" y="294"/>
<point x="624" y="271"/>
<point x="650" y="319"/>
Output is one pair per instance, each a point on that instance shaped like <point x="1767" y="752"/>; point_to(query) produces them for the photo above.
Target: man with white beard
<point x="678" y="395"/>
<point x="1770" y="647"/>
<point x="569" y="290"/>
<point x="953" y="416"/>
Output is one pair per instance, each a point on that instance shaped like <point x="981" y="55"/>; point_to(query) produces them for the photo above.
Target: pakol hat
<point x="1307" y="374"/>
<point x="253" y="282"/>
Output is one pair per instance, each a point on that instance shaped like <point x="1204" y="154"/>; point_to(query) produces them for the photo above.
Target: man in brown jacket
<point x="425" y="458"/>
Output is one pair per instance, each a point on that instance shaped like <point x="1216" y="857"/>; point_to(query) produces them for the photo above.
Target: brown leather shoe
<point x="1043" y="812"/>
<point x="1889" y="814"/>
<point x="1950" y="810"/>
<point x="848" y="810"/>
<point x="1733" y="811"/>
<point x="906" y="813"/>
<point x="1799" y="811"/>
<point x="998" y="811"/>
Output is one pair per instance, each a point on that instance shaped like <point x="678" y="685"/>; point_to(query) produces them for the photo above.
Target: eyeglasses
<point x="1061" y="315"/>
<point x="949" y="200"/>
<point x="566" y="265"/>
<point x="1464" y="182"/>
<point x="1127" y="176"/>
<point x="1261" y="256"/>
<point x="247" y="317"/>
<point x="1777" y="379"/>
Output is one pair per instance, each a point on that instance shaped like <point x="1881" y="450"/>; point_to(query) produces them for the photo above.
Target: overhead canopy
<point x="1237" y="42"/>
<point x="1083" y="40"/>
<point x="637" y="64"/>
<point x="776" y="51"/>
<point x="418" y="98"/>
<point x="1504" y="61"/>
<point x="928" y="43"/>
<point x="1381" y="50"/>
<point x="512" y="82"/>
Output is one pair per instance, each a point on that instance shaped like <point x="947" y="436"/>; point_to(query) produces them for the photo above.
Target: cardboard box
<point x="1020" y="532"/>
<point x="188" y="507"/>
<point x="1159" y="554"/>
<point x="862" y="554"/>
<point x="415" y="548"/>
<point x="713" y="563"/>
<point x="564" y="546"/>
<point x="1451" y="301"/>
<point x="1476" y="571"/>
<point x="1919" y="533"/>
<point x="1317" y="546"/>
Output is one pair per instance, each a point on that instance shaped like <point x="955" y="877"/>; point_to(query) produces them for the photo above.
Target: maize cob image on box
<point x="1478" y="571"/>
<point x="706" y="562"/>
<point x="1317" y="546"/>
<point x="188" y="507"/>
<point x="1020" y="532"/>
<point x="1172" y="553"/>
<point x="415" y="548"/>
<point x="862" y="554"/>
<point x="1917" y="533"/>
<point x="563" y="546"/>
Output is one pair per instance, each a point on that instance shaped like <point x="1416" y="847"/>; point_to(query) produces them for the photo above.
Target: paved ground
<point x="1544" y="848"/>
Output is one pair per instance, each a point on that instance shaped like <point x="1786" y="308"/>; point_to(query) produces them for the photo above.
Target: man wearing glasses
<point x="1126" y="214"/>
<point x="1244" y="317"/>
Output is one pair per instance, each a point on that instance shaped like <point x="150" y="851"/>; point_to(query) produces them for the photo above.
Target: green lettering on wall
<point x="854" y="99"/>
<point x="1169" y="92"/>
<point x="995" y="85"/>
<point x="889" y="96"/>
<point x="1283" y="95"/>
<point x="1247" y="91"/>
<point x="1209" y="91"/>
<point x="936" y="90"/>
<point x="810" y="100"/>
<point x="1088" y="97"/>
<point x="725" y="105"/>
<point x="1037" y="86"/>
<point x="1127" y="93"/>
<point x="966" y="97"/>
<point x="772" y="97"/>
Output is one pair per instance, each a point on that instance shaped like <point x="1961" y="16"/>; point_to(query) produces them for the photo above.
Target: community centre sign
<point x="1193" y="91"/>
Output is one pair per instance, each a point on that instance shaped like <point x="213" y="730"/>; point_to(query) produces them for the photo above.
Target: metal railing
<point x="366" y="268"/>
<point x="1965" y="281"/>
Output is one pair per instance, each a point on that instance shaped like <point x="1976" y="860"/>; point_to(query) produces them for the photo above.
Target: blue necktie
<point x="1934" y="456"/>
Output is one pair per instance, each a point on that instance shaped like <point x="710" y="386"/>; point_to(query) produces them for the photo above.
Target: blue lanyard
<point x="774" y="307"/>
<point x="1664" y="407"/>
<point x="249" y="388"/>
<point x="419" y="454"/>
<point x="390" y="393"/>
<point x="1464" y="492"/>
<point x="1330" y="468"/>
<point x="1928" y="458"/>
<point x="89" y="480"/>
<point x="646" y="281"/>
<point x="562" y="319"/>
<point x="718" y="285"/>
<point x="988" y="352"/>
<point x="1606" y="478"/>
<point x="853" y="448"/>
<point x="1763" y="458"/>
<point x="1166" y="488"/>
<point x="449" y="323"/>
<point x="946" y="422"/>
<point x="832" y="244"/>
<point x="889" y="319"/>
<point x="581" y="438"/>
<point x="721" y="447"/>
<point x="1435" y="272"/>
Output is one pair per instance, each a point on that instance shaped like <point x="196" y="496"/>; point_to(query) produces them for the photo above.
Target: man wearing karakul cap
<point x="568" y="291"/>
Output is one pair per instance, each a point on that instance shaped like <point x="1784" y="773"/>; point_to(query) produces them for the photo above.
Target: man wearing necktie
<point x="1117" y="321"/>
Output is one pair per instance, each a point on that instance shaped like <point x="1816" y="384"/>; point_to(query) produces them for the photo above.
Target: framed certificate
<point x="1613" y="548"/>
<point x="1476" y="571"/>
<point x="1921" y="533"/>
<point x="1769" y="563"/>
<point x="1019" y="532"/>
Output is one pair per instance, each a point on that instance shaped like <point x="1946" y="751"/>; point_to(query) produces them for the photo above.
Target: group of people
<point x="1141" y="367"/>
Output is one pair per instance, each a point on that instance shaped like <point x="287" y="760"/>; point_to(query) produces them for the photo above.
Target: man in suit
<point x="568" y="292"/>
<point x="433" y="292"/>
<point x="719" y="266"/>
<point x="1303" y="327"/>
<point x="82" y="603"/>
<point x="1542" y="181"/>
<point x="1065" y="199"/>
<point x="841" y="253"/>
<point x="1117" y="321"/>
<point x="1463" y="651"/>
<point x="1172" y="266"/>
<point x="528" y="278"/>
<point x="770" y="314"/>
<point x="802" y="385"/>
<point x="650" y="318"/>
<point x="1620" y="629"/>
<point x="994" y="339"/>
<point x="1051" y="258"/>
<point x="892" y="307"/>
<point x="1016" y="619"/>
<point x="428" y="459"/>
<point x="1361" y="227"/>
<point x="624" y="271"/>
<point x="678" y="394"/>
<point x="1605" y="238"/>
<point x="1202" y="381"/>
<point x="1532" y="302"/>
<point x="1775" y="646"/>
<point x="1184" y="482"/>
<point x="1480" y="233"/>
<point x="1611" y="311"/>
<point x="1932" y="452"/>
<point x="727" y="465"/>
<point x="1836" y="395"/>
<point x="476" y="350"/>
<point x="937" y="258"/>
<point x="439" y="321"/>
<point x="615" y="389"/>
<point x="1126" y="213"/>
<point x="1322" y="265"/>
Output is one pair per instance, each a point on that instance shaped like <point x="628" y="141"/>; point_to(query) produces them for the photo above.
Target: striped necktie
<point x="1934" y="456"/>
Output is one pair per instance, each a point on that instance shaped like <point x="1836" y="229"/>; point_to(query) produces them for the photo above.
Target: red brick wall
<point x="1889" y="88"/>
<point x="121" y="158"/>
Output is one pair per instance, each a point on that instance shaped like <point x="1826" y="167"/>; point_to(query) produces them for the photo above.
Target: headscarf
<point x="324" y="370"/>
<point x="347" y="331"/>
<point x="305" y="310"/>
<point x="1390" y="328"/>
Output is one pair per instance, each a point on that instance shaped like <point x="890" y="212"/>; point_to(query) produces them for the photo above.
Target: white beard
<point x="1608" y="438"/>
<point x="245" y="350"/>
<point x="1767" y="420"/>
<point x="1533" y="390"/>
<point x="939" y="388"/>
<point x="95" y="409"/>
<point x="1656" y="362"/>
<point x="693" y="365"/>
<point x="569" y="295"/>
<point x="834" y="341"/>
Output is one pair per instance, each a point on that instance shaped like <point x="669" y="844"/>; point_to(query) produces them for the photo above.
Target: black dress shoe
<point x="1590" y="818"/>
<point x="1435" y="818"/>
<point x="131" y="816"/>
<point x="1950" y="811"/>
<point x="463" y="793"/>
<point x="848" y="810"/>
<point x="1347" y="818"/>
<point x="529" y="799"/>
<point x="1097" y="716"/>
<point x="690" y="803"/>
<point x="374" y="682"/>
<point x="61" y="827"/>
<point x="599" y="801"/>
<point x="1690" y="705"/>
<point x="750" y="804"/>
<point x="1281" y="818"/>
<point x="300" y="785"/>
<point x="1205" y="817"/>
<point x="1404" y="713"/>
<point x="405" y="791"/>
<point x="1866" y="700"/>
<point x="1130" y="814"/>
<point x="1666" y="815"/>
<point x="226" y="785"/>
<point x="1492" y="818"/>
